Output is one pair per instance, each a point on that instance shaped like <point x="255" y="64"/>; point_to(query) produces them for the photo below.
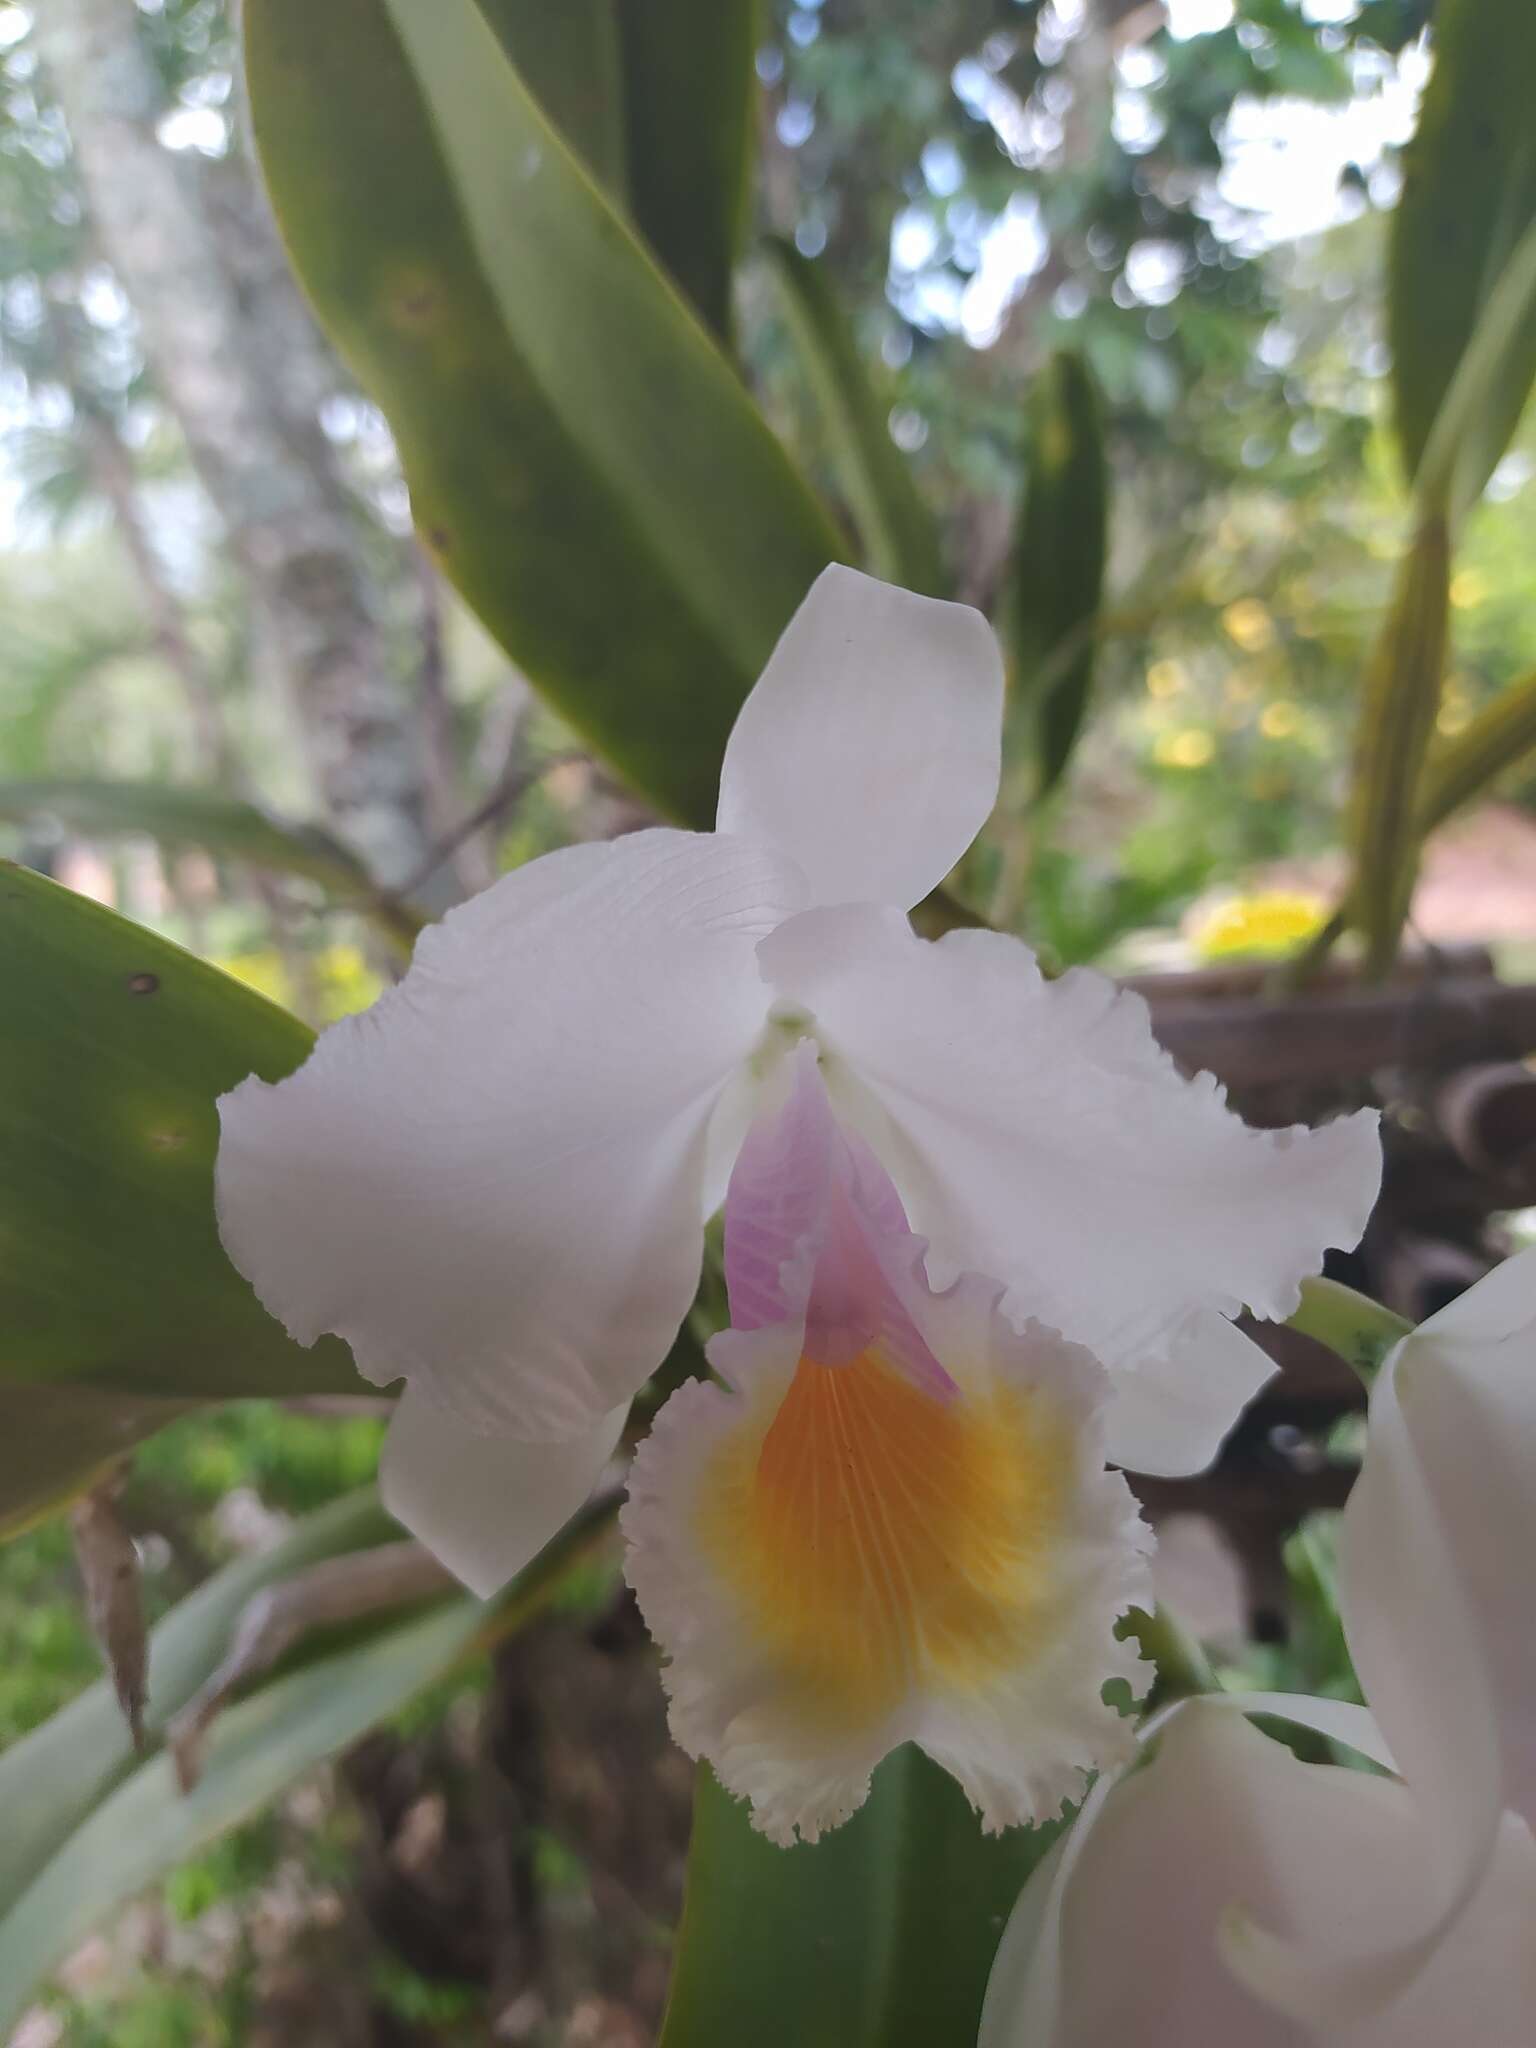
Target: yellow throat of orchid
<point x="882" y="1539"/>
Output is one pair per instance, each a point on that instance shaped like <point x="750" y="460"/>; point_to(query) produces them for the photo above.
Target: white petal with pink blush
<point x="892" y="1522"/>
<point x="494" y="1183"/>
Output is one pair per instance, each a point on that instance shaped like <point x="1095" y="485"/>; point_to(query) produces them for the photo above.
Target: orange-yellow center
<point x="882" y="1538"/>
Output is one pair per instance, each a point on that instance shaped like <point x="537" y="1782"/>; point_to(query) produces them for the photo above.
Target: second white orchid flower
<point x="1314" y="1904"/>
<point x="494" y="1183"/>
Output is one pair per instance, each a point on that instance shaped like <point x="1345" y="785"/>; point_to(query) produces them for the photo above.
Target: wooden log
<point x="1346" y="1034"/>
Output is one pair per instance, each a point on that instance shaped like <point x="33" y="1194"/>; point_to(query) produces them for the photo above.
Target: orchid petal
<point x="1340" y="1720"/>
<point x="1024" y="2002"/>
<point x="1466" y="1391"/>
<point x="871" y="745"/>
<point x="1036" y="1130"/>
<point x="915" y="1541"/>
<point x="1173" y="1412"/>
<point x="1434" y="1554"/>
<point x="492" y="1182"/>
<point x="778" y="1195"/>
<point x="815" y="1234"/>
<point x="1434" y="1551"/>
<point x="486" y="1505"/>
<point x="1336" y="1857"/>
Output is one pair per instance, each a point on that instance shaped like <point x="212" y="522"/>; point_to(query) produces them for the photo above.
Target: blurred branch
<point x="340" y="1589"/>
<point x="223" y="827"/>
<point x="115" y="475"/>
<point x="510" y="790"/>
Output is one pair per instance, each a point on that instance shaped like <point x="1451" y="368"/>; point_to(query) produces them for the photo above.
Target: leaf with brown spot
<point x="118" y="1307"/>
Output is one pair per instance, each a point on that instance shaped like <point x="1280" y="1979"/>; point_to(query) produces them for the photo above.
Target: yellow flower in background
<point x="1280" y="720"/>
<point x="1166" y="679"/>
<point x="1249" y="624"/>
<point x="1268" y="923"/>
<point x="1190" y="748"/>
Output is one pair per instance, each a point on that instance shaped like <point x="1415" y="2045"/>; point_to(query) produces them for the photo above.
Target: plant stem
<point x="1183" y="1668"/>
<point x="1360" y="1330"/>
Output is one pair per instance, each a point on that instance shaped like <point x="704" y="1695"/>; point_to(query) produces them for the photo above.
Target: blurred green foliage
<point x="284" y="1461"/>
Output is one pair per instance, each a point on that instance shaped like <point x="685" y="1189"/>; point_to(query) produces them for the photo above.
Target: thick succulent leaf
<point x="689" y="98"/>
<point x="657" y="101"/>
<point x="147" y="1825"/>
<point x="115" y="1290"/>
<point x="1486" y="396"/>
<point x="583" y="460"/>
<point x="1500" y="737"/>
<point x="900" y="538"/>
<point x="55" y="1439"/>
<point x="222" y="826"/>
<point x="1469" y="194"/>
<point x="57" y="1775"/>
<point x="1397" y="721"/>
<point x="570" y="61"/>
<point x="1052" y="601"/>
<point x="881" y="1935"/>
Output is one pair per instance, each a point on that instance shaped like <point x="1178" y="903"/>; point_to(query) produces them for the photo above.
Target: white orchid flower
<point x="892" y="1523"/>
<point x="1315" y="1904"/>
<point x="494" y="1183"/>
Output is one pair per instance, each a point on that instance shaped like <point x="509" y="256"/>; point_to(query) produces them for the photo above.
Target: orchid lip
<point x="889" y="1517"/>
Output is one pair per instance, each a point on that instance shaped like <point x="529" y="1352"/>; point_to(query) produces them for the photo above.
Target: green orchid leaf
<point x="115" y="1293"/>
<point x="658" y="103"/>
<point x="147" y="1825"/>
<point x="1055" y="587"/>
<point x="1487" y="394"/>
<point x="584" y="461"/>
<point x="570" y="60"/>
<point x="221" y="826"/>
<point x="57" y="1439"/>
<point x="1500" y="737"/>
<point x="900" y="538"/>
<point x="881" y="1935"/>
<point x="689" y="98"/>
<point x="89" y="1823"/>
<point x="1469" y="195"/>
<point x="1397" y="719"/>
<point x="57" y="1775"/>
<point x="1400" y="702"/>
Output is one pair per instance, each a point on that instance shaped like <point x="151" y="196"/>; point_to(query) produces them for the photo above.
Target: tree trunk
<point x="244" y="390"/>
<point x="113" y="474"/>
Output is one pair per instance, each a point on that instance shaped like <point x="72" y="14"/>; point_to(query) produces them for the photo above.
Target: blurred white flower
<point x="1229" y="1892"/>
<point x="494" y="1182"/>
